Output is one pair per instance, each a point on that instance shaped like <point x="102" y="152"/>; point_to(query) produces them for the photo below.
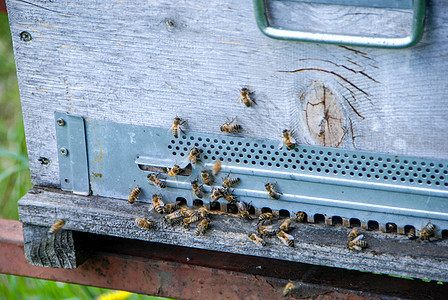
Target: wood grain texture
<point x="314" y="244"/>
<point x="144" y="62"/>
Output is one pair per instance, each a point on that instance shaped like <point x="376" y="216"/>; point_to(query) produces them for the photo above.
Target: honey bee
<point x="134" y="194"/>
<point x="353" y="234"/>
<point x="204" y="213"/>
<point x="186" y="212"/>
<point x="228" y="195"/>
<point x="175" y="170"/>
<point x="142" y="222"/>
<point x="154" y="179"/>
<point x="411" y="234"/>
<point x="286" y="225"/>
<point x="173" y="218"/>
<point x="301" y="217"/>
<point x="357" y="243"/>
<point x="229" y="182"/>
<point x="427" y="232"/>
<point x="391" y="228"/>
<point x="157" y="204"/>
<point x="265" y="217"/>
<point x="194" y="156"/>
<point x="218" y="193"/>
<point x="270" y="188"/>
<point x="286" y="239"/>
<point x="245" y="97"/>
<point x="176" y="127"/>
<point x="288" y="140"/>
<point x="288" y="289"/>
<point x="56" y="226"/>
<point x="190" y="220"/>
<point x="266" y="230"/>
<point x="243" y="210"/>
<point x="216" y="168"/>
<point x="197" y="189"/>
<point x="256" y="239"/>
<point x="170" y="207"/>
<point x="206" y="177"/>
<point x="202" y="226"/>
<point x="231" y="127"/>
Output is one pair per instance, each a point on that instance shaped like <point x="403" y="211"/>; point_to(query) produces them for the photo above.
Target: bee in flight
<point x="229" y="182"/>
<point x="202" y="226"/>
<point x="288" y="140"/>
<point x="144" y="223"/>
<point x="154" y="179"/>
<point x="231" y="127"/>
<point x="216" y="168"/>
<point x="243" y="210"/>
<point x="134" y="194"/>
<point x="176" y="127"/>
<point x="256" y="239"/>
<point x="357" y="243"/>
<point x="288" y="289"/>
<point x="194" y="156"/>
<point x="197" y="189"/>
<point x="427" y="232"/>
<point x="56" y="226"/>
<point x="157" y="204"/>
<point x="207" y="179"/>
<point x="267" y="216"/>
<point x="286" y="239"/>
<point x="286" y="225"/>
<point x="245" y="97"/>
<point x="270" y="188"/>
<point x="175" y="170"/>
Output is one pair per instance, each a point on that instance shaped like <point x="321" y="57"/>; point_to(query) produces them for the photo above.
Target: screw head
<point x="60" y="122"/>
<point x="25" y="36"/>
<point x="63" y="151"/>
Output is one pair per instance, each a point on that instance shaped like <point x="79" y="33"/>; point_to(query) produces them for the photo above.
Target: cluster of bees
<point x="425" y="234"/>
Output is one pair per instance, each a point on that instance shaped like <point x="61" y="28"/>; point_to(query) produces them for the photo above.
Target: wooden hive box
<point x="101" y="82"/>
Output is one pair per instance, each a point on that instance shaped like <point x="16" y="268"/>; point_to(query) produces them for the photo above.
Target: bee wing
<point x="358" y="238"/>
<point x="289" y="236"/>
<point x="240" y="98"/>
<point x="252" y="101"/>
<point x="151" y="207"/>
<point x="357" y="248"/>
<point x="280" y="145"/>
<point x="291" y="139"/>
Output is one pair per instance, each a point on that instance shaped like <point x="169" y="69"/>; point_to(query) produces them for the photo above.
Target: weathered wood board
<point x="314" y="244"/>
<point x="143" y="62"/>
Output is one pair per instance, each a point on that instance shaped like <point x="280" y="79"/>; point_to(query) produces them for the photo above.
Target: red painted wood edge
<point x="2" y="6"/>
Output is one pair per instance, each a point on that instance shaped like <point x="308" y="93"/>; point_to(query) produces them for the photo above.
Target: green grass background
<point x="15" y="182"/>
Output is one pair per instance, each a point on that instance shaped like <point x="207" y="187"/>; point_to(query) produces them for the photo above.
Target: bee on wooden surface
<point x="243" y="210"/>
<point x="190" y="220"/>
<point x="265" y="217"/>
<point x="288" y="140"/>
<point x="217" y="193"/>
<point x="157" y="204"/>
<point x="301" y="217"/>
<point x="216" y="168"/>
<point x="411" y="234"/>
<point x="134" y="194"/>
<point x="170" y="207"/>
<point x="144" y="223"/>
<point x="204" y="213"/>
<point x="207" y="179"/>
<point x="228" y="195"/>
<point x="229" y="182"/>
<point x="357" y="243"/>
<point x="56" y="226"/>
<point x="353" y="234"/>
<point x="256" y="239"/>
<point x="266" y="230"/>
<point x="186" y="212"/>
<point x="202" y="226"/>
<point x="288" y="289"/>
<point x="176" y="127"/>
<point x="194" y="156"/>
<point x="286" y="225"/>
<point x="427" y="232"/>
<point x="173" y="218"/>
<point x="231" y="127"/>
<point x="286" y="239"/>
<point x="174" y="170"/>
<point x="154" y="179"/>
<point x="245" y="97"/>
<point x="270" y="188"/>
<point x="197" y="189"/>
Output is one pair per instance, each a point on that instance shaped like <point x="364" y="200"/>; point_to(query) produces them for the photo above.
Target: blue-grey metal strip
<point x="317" y="180"/>
<point x="72" y="153"/>
<point x="399" y="4"/>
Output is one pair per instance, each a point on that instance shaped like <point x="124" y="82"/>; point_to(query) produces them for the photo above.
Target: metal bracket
<point x="72" y="153"/>
<point x="418" y="7"/>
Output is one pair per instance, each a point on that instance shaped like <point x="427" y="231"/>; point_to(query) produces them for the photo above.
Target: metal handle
<point x="419" y="7"/>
